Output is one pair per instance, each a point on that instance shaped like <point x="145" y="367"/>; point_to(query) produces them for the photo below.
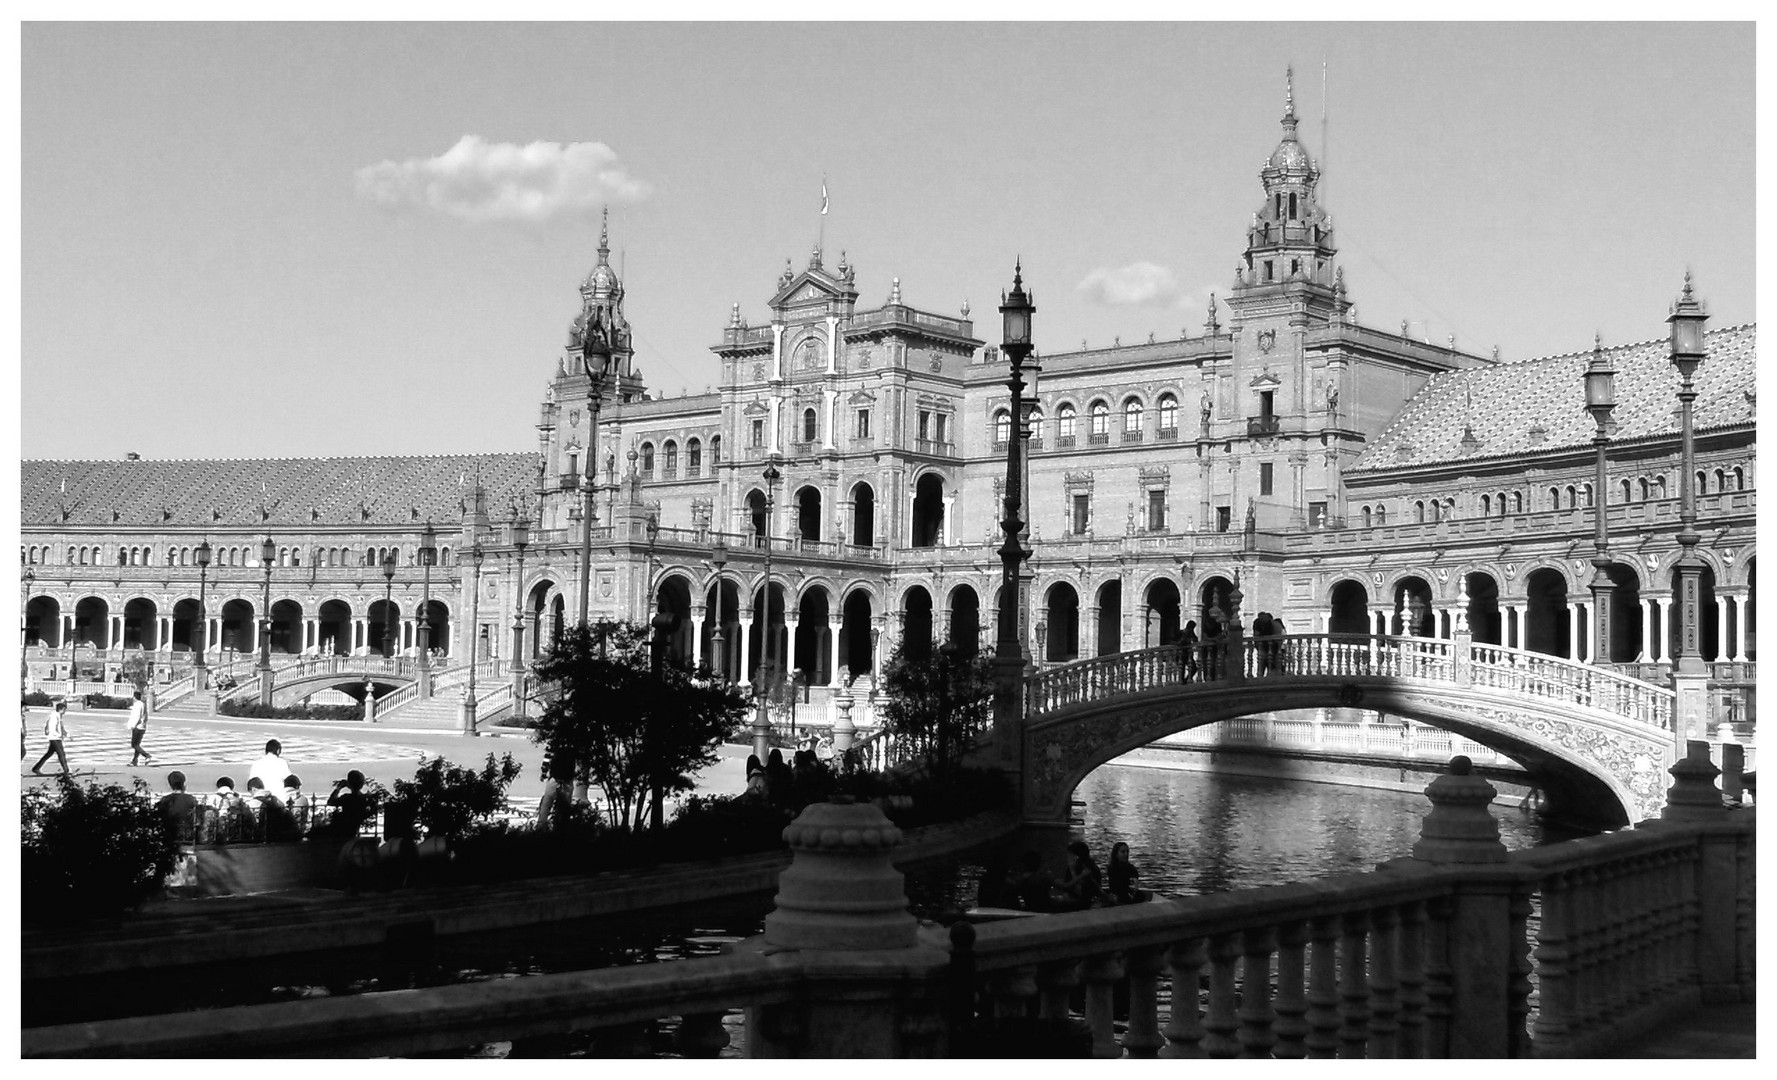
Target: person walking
<point x="138" y="728"/>
<point x="55" y="729"/>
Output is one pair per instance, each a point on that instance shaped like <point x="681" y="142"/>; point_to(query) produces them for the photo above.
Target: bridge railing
<point x="396" y="699"/>
<point x="1450" y="662"/>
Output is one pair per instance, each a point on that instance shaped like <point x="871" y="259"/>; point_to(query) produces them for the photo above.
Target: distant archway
<point x="808" y="513"/>
<point x="965" y="620"/>
<point x="1062" y="632"/>
<point x="928" y="511"/>
<point x="1109" y="623"/>
<point x="916" y="623"/>
<point x="1484" y="622"/>
<point x="1162" y="626"/>
<point x="1349" y="609"/>
<point x="863" y="515"/>
<point x="1545" y="617"/>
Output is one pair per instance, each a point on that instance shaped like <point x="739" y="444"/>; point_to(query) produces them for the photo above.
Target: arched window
<point x="1132" y="411"/>
<point x="444" y="557"/>
<point x="1418" y="512"/>
<point x="1628" y="491"/>
<point x="1486" y="505"/>
<point x="1659" y="487"/>
<point x="810" y="425"/>
<point x="1101" y="419"/>
<point x="1064" y="419"/>
<point x="1002" y="426"/>
<point x="1587" y="491"/>
<point x="1035" y="418"/>
<point x="1517" y="502"/>
<point x="715" y="450"/>
<point x="1367" y="520"/>
<point x="1721" y="479"/>
<point x="670" y="451"/>
<point x="1644" y="488"/>
<point x="693" y="457"/>
<point x="1554" y="498"/>
<point x="1702" y="482"/>
<point x="1500" y="504"/>
<point x="1739" y="478"/>
<point x="648" y="459"/>
<point x="1168" y="412"/>
<point x="1437" y="511"/>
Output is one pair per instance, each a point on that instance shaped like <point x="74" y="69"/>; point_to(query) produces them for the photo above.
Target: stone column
<point x="745" y="634"/>
<point x="1739" y="656"/>
<point x="1650" y="613"/>
<point x="1662" y="630"/>
<point x="697" y="616"/>
<point x="1721" y="627"/>
<point x="1089" y="617"/>
<point x="832" y="396"/>
<point x="832" y="356"/>
<point x="949" y="518"/>
<point x="835" y="626"/>
<point x="791" y="621"/>
<point x="777" y="363"/>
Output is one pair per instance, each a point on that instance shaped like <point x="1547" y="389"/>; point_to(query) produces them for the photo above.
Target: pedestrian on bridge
<point x="1187" y="644"/>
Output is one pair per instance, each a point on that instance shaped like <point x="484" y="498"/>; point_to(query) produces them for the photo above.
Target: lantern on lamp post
<point x="1016" y="309"/>
<point x="1601" y="401"/>
<point x="719" y="559"/>
<point x="1690" y="676"/>
<point x="268" y="551"/>
<point x="595" y="360"/>
<point x="391" y="629"/>
<point x="200" y="672"/>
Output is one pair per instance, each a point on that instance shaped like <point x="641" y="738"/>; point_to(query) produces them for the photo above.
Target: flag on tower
<point x="823" y="196"/>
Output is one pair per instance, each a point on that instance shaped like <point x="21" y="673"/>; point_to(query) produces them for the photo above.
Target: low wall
<point x="234" y="869"/>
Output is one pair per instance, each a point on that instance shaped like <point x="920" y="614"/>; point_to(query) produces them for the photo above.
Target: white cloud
<point x="476" y="180"/>
<point x="1135" y="285"/>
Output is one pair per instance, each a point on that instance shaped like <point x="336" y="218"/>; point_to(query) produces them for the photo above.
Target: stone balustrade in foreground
<point x="1462" y="950"/>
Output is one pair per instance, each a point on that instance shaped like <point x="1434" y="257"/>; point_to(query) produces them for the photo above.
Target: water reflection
<point x="1193" y="833"/>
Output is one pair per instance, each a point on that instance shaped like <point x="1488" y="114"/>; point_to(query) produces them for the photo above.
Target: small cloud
<point x="476" y="180"/>
<point x="1135" y="285"/>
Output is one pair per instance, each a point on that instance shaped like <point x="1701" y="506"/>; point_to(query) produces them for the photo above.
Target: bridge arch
<point x="1590" y="762"/>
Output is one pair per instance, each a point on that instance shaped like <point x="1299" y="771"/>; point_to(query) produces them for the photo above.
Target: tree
<point x="136" y="670"/>
<point x="445" y="799"/>
<point x="939" y="703"/>
<point x="630" y="732"/>
<point x="91" y="848"/>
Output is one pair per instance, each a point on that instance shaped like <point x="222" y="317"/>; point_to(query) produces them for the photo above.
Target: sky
<point x="304" y="240"/>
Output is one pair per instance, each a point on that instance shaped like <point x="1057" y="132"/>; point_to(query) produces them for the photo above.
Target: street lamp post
<point x="762" y="722"/>
<point x="267" y="552"/>
<point x="1601" y="401"/>
<point x="520" y="531"/>
<point x="469" y="704"/>
<point x="1689" y="676"/>
<point x="1016" y="309"/>
<point x="391" y="643"/>
<point x="719" y="559"/>
<point x="200" y="673"/>
<point x="595" y="359"/>
<point x="427" y="554"/>
<point x="30" y="577"/>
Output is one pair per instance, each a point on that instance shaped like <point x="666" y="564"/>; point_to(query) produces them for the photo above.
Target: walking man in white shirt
<point x="55" y="729"/>
<point x="138" y="728"/>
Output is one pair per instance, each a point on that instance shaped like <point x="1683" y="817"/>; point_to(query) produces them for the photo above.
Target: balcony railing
<point x="1261" y="426"/>
<point x="935" y="448"/>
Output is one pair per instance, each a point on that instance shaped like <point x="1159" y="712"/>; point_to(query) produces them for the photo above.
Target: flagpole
<point x="823" y="233"/>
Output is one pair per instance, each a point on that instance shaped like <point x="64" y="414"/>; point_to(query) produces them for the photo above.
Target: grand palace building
<point x="1346" y="478"/>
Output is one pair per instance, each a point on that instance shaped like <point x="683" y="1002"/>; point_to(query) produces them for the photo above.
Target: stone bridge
<point x="1601" y="742"/>
<point x="299" y="679"/>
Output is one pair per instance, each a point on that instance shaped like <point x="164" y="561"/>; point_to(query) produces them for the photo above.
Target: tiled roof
<point x="1504" y="402"/>
<point x="297" y="492"/>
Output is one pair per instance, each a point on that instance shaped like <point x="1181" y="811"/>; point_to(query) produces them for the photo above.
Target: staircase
<point x="440" y="712"/>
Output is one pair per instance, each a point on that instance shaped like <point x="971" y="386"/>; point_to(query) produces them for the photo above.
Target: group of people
<point x="274" y="807"/>
<point x="806" y="777"/>
<point x="1080" y="885"/>
<point x="55" y="733"/>
<point x="1201" y="659"/>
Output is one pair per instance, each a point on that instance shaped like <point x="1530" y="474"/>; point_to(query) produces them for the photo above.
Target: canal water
<point x="1190" y="833"/>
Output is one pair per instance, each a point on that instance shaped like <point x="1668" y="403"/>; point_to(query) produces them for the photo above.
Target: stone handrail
<point x="174" y="692"/>
<point x="1348" y="656"/>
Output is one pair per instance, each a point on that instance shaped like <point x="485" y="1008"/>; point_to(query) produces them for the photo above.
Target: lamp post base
<point x="265" y="681"/>
<point x="469" y="707"/>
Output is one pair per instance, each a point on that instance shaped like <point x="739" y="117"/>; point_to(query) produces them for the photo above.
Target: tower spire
<point x="1289" y="92"/>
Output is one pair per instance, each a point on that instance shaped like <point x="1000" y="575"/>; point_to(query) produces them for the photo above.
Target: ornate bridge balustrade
<point x="1599" y="737"/>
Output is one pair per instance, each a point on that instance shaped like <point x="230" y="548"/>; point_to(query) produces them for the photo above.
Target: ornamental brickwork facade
<point x="1347" y="478"/>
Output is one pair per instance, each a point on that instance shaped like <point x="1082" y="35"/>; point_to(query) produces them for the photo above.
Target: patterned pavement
<point x="105" y="745"/>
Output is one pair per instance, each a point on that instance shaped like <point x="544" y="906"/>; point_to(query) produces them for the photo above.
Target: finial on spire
<point x="734" y="317"/>
<point x="895" y="292"/>
<point x="1018" y="273"/>
<point x="604" y="233"/>
<point x="1289" y="91"/>
<point x="1597" y="342"/>
<point x="814" y="258"/>
<point x="1687" y="283"/>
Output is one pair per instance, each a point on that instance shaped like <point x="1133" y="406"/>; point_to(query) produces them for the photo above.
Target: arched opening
<point x="1212" y="595"/>
<point x="965" y="620"/>
<point x="1349" y="609"/>
<point x="814" y="638"/>
<point x="92" y="622"/>
<point x="916" y="623"/>
<point x="43" y="622"/>
<point x="856" y="640"/>
<point x="1750" y="648"/>
<point x="693" y="458"/>
<point x="1546" y="627"/>
<point x="539" y="635"/>
<point x="183" y="636"/>
<point x="1062" y="624"/>
<point x="438" y="628"/>
<point x="333" y="634"/>
<point x="863" y="515"/>
<point x="1109" y="629"/>
<point x="286" y="626"/>
<point x="756" y="510"/>
<point x="558" y="619"/>
<point x="237" y="620"/>
<point x="928" y="511"/>
<point x="673" y="596"/>
<point x="722" y="613"/>
<point x="141" y="624"/>
<point x="1162" y="626"/>
<point x="808" y="513"/>
<point x="1484" y="622"/>
<point x="774" y="617"/>
<point x="384" y="629"/>
<point x="1412" y="609"/>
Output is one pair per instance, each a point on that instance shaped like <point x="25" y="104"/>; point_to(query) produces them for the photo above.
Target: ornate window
<point x="1065" y="423"/>
<point x="1168" y="412"/>
<point x="693" y="457"/>
<point x="1002" y="426"/>
<point x="669" y="467"/>
<point x="1101" y="419"/>
<point x="1132" y="411"/>
<point x="861" y="424"/>
<point x="810" y="425"/>
<point x="648" y="459"/>
<point x="715" y="450"/>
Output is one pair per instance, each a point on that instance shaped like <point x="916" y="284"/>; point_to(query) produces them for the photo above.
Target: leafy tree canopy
<point x="629" y="730"/>
<point x="940" y="703"/>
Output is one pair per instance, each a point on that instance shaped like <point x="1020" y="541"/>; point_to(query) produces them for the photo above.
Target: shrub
<point x="104" y="701"/>
<point x="290" y="712"/>
<point x="38" y="698"/>
<point x="445" y="799"/>
<point x="91" y="849"/>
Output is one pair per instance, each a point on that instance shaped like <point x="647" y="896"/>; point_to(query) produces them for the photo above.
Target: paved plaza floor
<point x="206" y="748"/>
